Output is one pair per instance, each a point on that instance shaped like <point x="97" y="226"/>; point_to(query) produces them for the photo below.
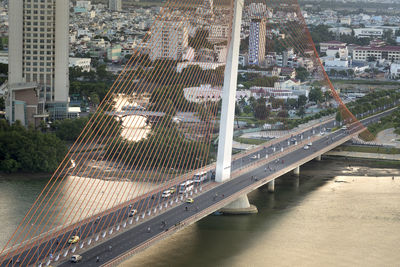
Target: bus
<point x="200" y="177"/>
<point x="186" y="187"/>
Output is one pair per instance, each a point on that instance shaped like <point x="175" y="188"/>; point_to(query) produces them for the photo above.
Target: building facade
<point x="368" y="33"/>
<point x="115" y="5"/>
<point x="324" y="46"/>
<point x="169" y="39"/>
<point x="83" y="63"/>
<point x="204" y="93"/>
<point x="38" y="54"/>
<point x="371" y="53"/>
<point x="257" y="41"/>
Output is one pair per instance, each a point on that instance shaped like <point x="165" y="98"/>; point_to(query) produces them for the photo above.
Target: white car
<point x="306" y="148"/>
<point x="253" y="157"/>
<point x="310" y="144"/>
<point x="76" y="258"/>
<point x="166" y="193"/>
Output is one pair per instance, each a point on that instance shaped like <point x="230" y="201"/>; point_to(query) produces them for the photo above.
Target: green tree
<point x="2" y="103"/>
<point x="4" y="69"/>
<point x="327" y="96"/>
<point x="350" y="72"/>
<point x="238" y="112"/>
<point x="94" y="98"/>
<point x="302" y="101"/>
<point x="301" y="112"/>
<point x="316" y="95"/>
<point x="321" y="33"/>
<point x="247" y="109"/>
<point x="69" y="129"/>
<point x="302" y="74"/>
<point x="75" y="73"/>
<point x="169" y="99"/>
<point x="207" y="111"/>
<point x="260" y="110"/>
<point x="28" y="150"/>
<point x="292" y="103"/>
<point x="339" y="116"/>
<point x="102" y="72"/>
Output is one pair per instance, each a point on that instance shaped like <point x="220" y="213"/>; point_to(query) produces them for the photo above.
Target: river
<point x="332" y="215"/>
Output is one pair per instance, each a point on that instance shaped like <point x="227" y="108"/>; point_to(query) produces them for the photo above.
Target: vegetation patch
<point x="370" y="149"/>
<point x="29" y="150"/>
<point x="249" y="141"/>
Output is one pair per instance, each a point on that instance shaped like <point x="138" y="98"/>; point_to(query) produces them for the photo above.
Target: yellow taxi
<point x="74" y="239"/>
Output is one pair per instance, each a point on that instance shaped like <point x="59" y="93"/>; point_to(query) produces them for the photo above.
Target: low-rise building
<point x="394" y="71"/>
<point x="204" y="93"/>
<point x="368" y="33"/>
<point x="341" y="31"/>
<point x="324" y="46"/>
<point x="338" y="52"/>
<point x="203" y="65"/>
<point x="83" y="63"/>
<point x="114" y="53"/>
<point x="367" y="53"/>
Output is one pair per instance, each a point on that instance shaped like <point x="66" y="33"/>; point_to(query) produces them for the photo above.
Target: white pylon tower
<point x="223" y="171"/>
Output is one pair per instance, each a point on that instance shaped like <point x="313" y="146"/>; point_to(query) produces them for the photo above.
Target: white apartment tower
<point x="257" y="41"/>
<point x="38" y="54"/>
<point x="169" y="38"/>
<point x="115" y="5"/>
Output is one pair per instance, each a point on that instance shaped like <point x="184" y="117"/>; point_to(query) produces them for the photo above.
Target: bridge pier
<point x="296" y="171"/>
<point x="319" y="158"/>
<point x="271" y="186"/>
<point x="240" y="206"/>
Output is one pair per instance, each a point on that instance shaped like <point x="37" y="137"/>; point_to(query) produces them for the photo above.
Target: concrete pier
<point x="240" y="206"/>
<point x="319" y="158"/>
<point x="296" y="171"/>
<point x="271" y="186"/>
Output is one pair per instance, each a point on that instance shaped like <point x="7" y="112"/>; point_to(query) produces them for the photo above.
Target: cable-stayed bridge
<point x="128" y="182"/>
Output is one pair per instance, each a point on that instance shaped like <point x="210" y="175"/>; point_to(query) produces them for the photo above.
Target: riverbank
<point x="25" y="176"/>
<point x="361" y="155"/>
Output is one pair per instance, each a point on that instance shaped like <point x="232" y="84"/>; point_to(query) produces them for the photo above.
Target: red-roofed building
<point x="387" y="52"/>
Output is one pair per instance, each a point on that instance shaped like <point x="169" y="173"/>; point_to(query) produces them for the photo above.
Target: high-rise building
<point x="115" y="5"/>
<point x="38" y="59"/>
<point x="257" y="41"/>
<point x="169" y="39"/>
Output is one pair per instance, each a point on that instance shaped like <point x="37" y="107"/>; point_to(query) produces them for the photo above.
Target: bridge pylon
<point x="223" y="170"/>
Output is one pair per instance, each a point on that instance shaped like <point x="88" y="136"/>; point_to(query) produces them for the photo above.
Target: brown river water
<point x="332" y="215"/>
